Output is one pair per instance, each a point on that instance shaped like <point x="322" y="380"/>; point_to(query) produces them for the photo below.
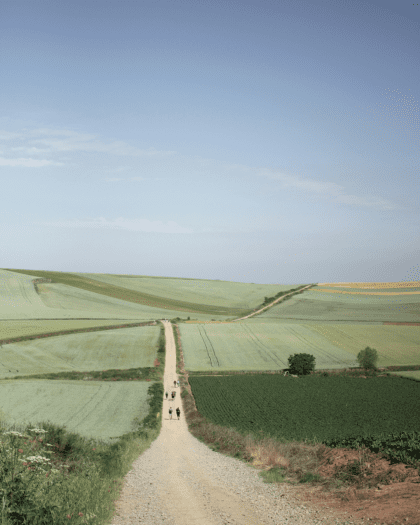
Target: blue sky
<point x="255" y="141"/>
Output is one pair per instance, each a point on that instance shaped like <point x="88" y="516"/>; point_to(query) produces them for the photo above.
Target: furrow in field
<point x="212" y="347"/>
<point x="205" y="345"/>
<point x="259" y="350"/>
<point x="264" y="347"/>
<point x="318" y="348"/>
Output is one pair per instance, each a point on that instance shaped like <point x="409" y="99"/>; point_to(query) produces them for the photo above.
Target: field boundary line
<point x="74" y="331"/>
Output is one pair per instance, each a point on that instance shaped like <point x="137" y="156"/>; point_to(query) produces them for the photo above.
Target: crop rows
<point x="313" y="407"/>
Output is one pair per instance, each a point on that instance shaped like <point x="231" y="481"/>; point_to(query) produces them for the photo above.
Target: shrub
<point x="367" y="358"/>
<point x="301" y="364"/>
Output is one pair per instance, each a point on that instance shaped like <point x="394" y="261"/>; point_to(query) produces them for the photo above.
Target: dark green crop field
<point x="312" y="407"/>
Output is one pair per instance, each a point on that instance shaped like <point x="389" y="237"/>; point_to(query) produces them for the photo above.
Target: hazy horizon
<point x="263" y="142"/>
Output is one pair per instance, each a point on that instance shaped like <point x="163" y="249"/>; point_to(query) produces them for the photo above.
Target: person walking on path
<point x="170" y="412"/>
<point x="178" y="412"/>
<point x="174" y="383"/>
<point x="173" y="395"/>
<point x="166" y="395"/>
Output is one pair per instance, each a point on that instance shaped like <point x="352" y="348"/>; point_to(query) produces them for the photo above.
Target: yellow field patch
<point x="366" y="293"/>
<point x="366" y="286"/>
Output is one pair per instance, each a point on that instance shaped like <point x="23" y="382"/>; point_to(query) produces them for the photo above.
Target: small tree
<point x="367" y="358"/>
<point x="301" y="364"/>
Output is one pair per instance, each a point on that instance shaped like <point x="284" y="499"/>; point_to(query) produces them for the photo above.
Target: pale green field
<point x="319" y="306"/>
<point x="415" y="374"/>
<point x="110" y="349"/>
<point x="256" y="346"/>
<point x="199" y="291"/>
<point x="98" y="410"/>
<point x="17" y="292"/>
<point x="62" y="298"/>
<point x="19" y="300"/>
<point x="18" y="327"/>
<point x="396" y="345"/>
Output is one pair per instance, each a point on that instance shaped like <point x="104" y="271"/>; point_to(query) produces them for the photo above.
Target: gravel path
<point x="180" y="481"/>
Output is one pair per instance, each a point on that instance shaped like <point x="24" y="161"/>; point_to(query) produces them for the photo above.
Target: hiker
<point x="170" y="412"/>
<point x="178" y="412"/>
<point x="174" y="383"/>
<point x="166" y="395"/>
<point x="173" y="395"/>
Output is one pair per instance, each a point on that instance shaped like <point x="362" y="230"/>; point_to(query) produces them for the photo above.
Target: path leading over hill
<point x="180" y="481"/>
<point x="269" y="305"/>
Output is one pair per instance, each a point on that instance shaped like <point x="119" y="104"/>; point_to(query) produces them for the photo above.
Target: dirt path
<point x="186" y="504"/>
<point x="269" y="305"/>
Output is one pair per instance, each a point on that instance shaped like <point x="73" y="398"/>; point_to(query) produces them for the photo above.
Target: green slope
<point x="129" y="295"/>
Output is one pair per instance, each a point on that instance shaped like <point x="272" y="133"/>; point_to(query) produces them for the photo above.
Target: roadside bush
<point x="301" y="364"/>
<point x="367" y="358"/>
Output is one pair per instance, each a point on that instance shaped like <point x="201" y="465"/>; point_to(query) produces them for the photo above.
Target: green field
<point x="176" y="301"/>
<point x="108" y="349"/>
<point x="257" y="346"/>
<point x="198" y="291"/>
<point x="19" y="300"/>
<point x="396" y="345"/>
<point x="309" y="407"/>
<point x="98" y="410"/>
<point x="17" y="293"/>
<point x="320" y="306"/>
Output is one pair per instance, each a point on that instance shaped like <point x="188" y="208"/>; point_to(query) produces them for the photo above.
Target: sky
<point x="256" y="141"/>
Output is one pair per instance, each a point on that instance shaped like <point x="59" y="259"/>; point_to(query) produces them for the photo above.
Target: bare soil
<point x="394" y="496"/>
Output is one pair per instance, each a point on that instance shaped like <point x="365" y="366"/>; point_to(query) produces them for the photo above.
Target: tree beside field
<point x="367" y="358"/>
<point x="301" y="364"/>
